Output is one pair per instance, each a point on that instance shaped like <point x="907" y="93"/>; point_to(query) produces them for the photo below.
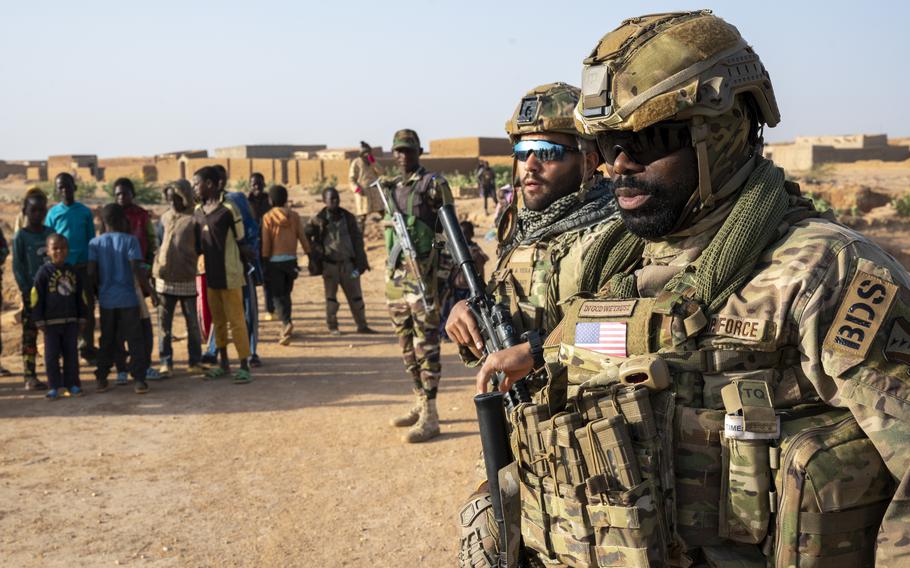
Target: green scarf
<point x="763" y="210"/>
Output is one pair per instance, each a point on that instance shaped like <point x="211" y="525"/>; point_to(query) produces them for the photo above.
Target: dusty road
<point x="298" y="468"/>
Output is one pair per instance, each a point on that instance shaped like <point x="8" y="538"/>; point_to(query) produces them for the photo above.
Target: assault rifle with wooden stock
<point x="402" y="241"/>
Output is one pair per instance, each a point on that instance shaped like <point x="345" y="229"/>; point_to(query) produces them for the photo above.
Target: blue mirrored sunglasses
<point x="545" y="150"/>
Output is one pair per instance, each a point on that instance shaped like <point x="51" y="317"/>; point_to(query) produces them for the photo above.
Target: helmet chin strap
<point x="703" y="201"/>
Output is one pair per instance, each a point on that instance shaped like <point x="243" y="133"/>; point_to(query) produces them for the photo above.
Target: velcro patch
<point x="897" y="349"/>
<point x="607" y="308"/>
<point x="604" y="337"/>
<point x="746" y="329"/>
<point x="860" y="315"/>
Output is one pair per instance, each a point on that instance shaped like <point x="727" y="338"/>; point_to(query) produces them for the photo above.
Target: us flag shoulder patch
<point x="607" y="337"/>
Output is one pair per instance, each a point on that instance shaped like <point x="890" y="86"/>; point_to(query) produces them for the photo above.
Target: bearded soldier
<point x="417" y="194"/>
<point x="737" y="394"/>
<point x="565" y="206"/>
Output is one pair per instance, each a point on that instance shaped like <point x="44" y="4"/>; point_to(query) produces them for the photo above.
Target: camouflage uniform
<point x="418" y="196"/>
<point x="539" y="266"/>
<point x="748" y="420"/>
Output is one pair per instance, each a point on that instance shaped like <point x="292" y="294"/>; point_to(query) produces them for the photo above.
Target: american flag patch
<point x="608" y="337"/>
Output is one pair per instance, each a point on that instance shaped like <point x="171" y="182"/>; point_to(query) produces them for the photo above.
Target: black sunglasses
<point x="644" y="146"/>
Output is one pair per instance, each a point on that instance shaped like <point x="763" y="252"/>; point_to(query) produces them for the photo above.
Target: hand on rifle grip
<point x="515" y="363"/>
<point x="462" y="328"/>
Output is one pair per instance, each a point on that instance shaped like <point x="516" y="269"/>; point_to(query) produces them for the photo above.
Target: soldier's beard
<point x="551" y="190"/>
<point x="659" y="215"/>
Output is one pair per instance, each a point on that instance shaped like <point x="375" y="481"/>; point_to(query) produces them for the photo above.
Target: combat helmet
<point x="680" y="66"/>
<point x="547" y="108"/>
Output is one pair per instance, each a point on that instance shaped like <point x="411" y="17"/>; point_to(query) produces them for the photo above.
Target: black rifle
<point x="495" y="323"/>
<point x="493" y="319"/>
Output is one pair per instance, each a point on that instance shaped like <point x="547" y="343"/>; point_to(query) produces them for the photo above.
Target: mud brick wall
<point x="36" y="173"/>
<point x="337" y="168"/>
<point x="194" y="164"/>
<point x="240" y="169"/>
<point x="470" y="147"/>
<point x="309" y="171"/>
<point x="446" y="165"/>
<point x="168" y="169"/>
<point x="498" y="160"/>
<point x="145" y="172"/>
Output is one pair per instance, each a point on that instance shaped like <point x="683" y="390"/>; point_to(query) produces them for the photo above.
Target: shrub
<point x="818" y="202"/>
<point x="318" y="185"/>
<point x="902" y="205"/>
<point x="503" y="175"/>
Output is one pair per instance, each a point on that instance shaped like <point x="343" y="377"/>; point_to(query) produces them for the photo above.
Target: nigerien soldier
<point x="417" y="194"/>
<point x="566" y="205"/>
<point x="737" y="394"/>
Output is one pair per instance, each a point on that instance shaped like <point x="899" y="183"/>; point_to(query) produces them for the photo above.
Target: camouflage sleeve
<point x="855" y="341"/>
<point x="469" y="359"/>
<point x="439" y="192"/>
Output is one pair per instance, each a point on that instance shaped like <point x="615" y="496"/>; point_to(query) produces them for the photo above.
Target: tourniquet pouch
<point x="833" y="489"/>
<point x="745" y="486"/>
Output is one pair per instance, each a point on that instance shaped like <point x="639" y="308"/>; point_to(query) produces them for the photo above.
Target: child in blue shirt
<point x="115" y="263"/>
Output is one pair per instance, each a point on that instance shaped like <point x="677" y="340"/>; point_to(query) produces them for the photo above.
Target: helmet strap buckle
<point x="699" y="132"/>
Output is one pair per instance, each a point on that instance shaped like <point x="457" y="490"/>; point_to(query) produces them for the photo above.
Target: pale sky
<point x="119" y="78"/>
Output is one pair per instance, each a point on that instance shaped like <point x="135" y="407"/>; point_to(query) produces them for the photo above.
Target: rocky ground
<point x="298" y="468"/>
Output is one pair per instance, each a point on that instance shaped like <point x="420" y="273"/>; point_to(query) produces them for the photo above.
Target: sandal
<point x="215" y="373"/>
<point x="242" y="377"/>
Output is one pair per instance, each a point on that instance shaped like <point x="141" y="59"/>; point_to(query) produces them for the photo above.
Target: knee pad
<point x="478" y="539"/>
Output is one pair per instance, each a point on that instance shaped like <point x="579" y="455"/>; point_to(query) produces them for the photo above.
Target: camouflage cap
<point x="405" y="138"/>
<point x="547" y="108"/>
<point x="671" y="66"/>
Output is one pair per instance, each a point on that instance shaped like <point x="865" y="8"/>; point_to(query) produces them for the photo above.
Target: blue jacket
<point x="251" y="236"/>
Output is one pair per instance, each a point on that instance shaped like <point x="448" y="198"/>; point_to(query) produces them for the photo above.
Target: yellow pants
<point x="226" y="306"/>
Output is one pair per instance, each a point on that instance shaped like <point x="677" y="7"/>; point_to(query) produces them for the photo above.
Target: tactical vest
<point x="650" y="451"/>
<point x="530" y="279"/>
<point x="419" y="216"/>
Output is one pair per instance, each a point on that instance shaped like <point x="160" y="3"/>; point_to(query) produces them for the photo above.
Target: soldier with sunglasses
<point x="564" y="205"/>
<point x="737" y="391"/>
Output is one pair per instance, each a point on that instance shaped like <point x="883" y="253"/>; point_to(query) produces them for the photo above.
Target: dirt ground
<point x="298" y="468"/>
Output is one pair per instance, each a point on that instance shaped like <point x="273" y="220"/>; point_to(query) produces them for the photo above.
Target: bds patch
<point x="860" y="315"/>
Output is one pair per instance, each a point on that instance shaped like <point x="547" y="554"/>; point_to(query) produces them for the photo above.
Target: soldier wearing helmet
<point x="737" y="390"/>
<point x="417" y="194"/>
<point x="564" y="206"/>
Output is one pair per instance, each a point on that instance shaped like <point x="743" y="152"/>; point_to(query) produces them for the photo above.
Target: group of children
<point x="207" y="258"/>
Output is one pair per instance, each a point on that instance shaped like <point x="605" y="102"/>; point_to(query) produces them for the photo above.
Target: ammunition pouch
<point x="590" y="496"/>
